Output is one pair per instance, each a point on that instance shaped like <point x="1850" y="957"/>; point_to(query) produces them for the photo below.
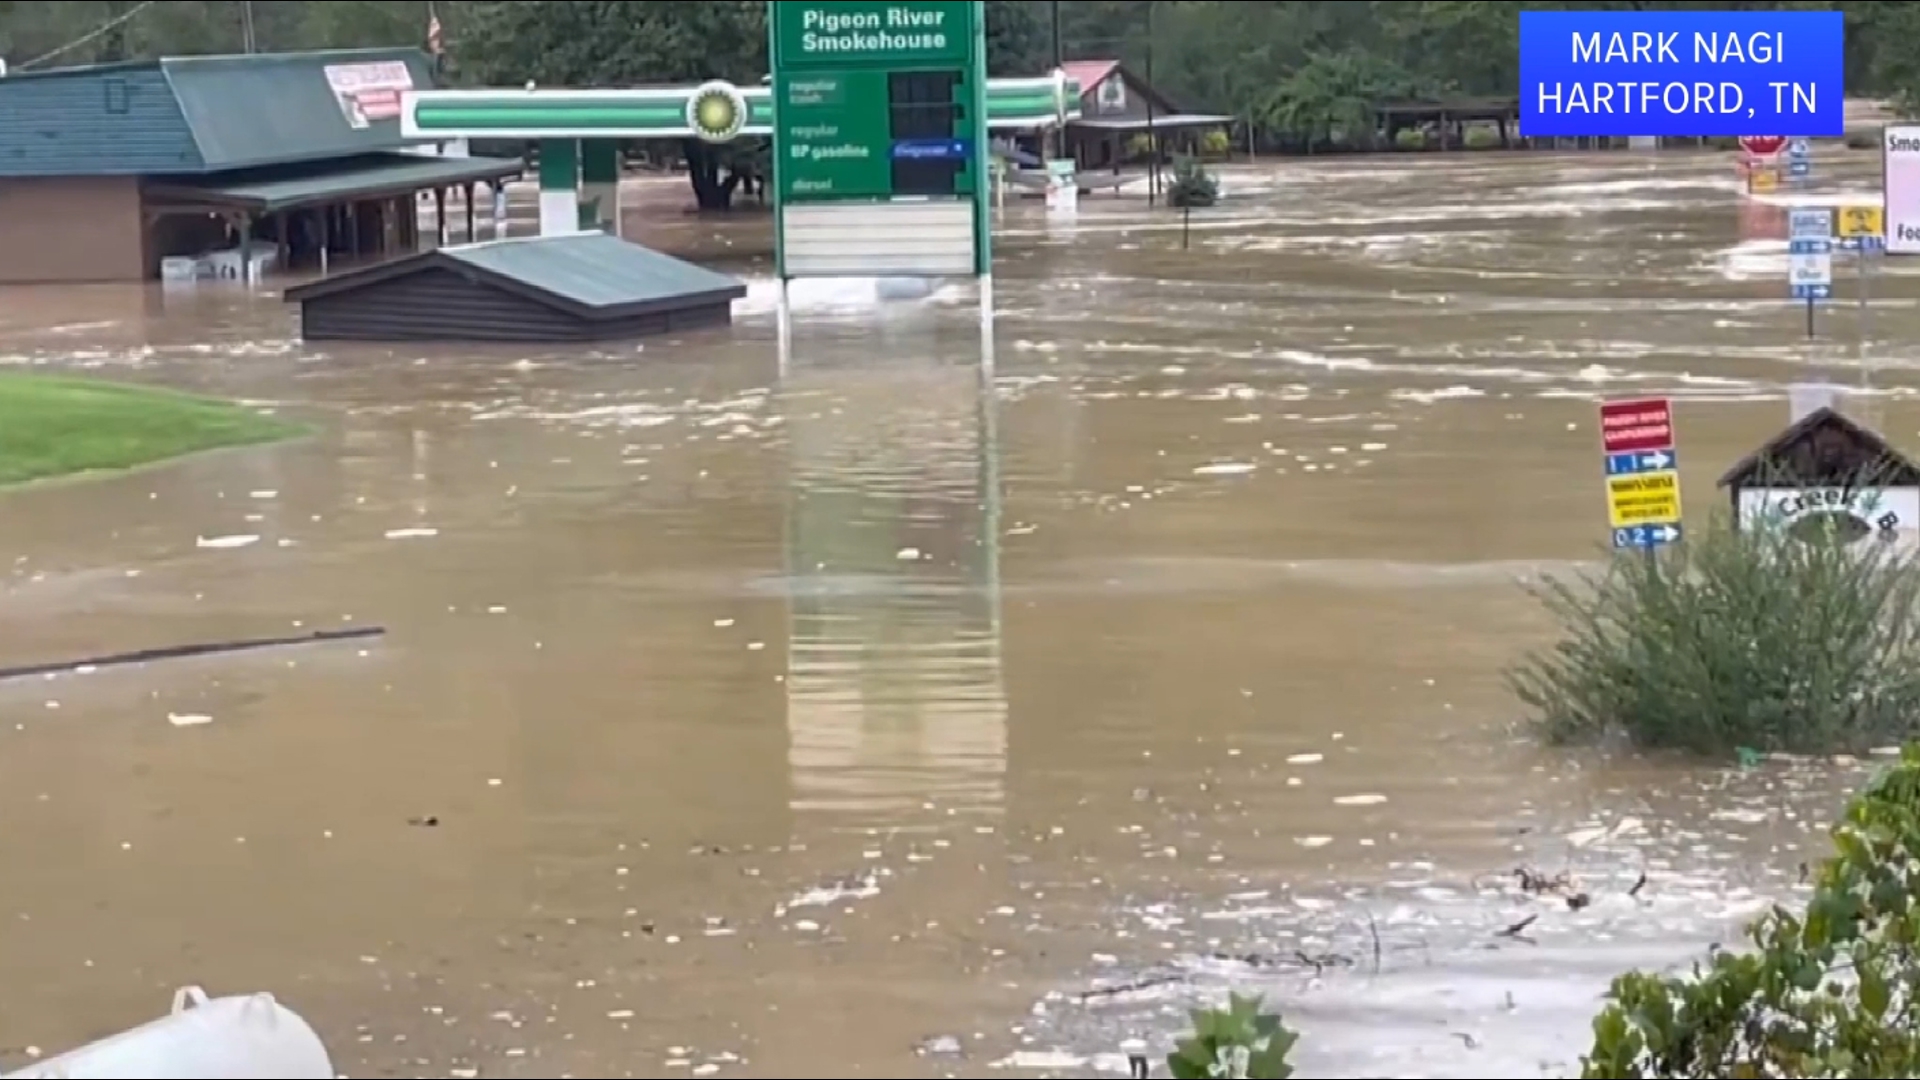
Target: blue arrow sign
<point x="1645" y="536"/>
<point x="932" y="149"/>
<point x="1812" y="292"/>
<point x="1642" y="461"/>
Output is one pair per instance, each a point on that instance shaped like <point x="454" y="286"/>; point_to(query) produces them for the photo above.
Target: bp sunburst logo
<point x="717" y="111"/>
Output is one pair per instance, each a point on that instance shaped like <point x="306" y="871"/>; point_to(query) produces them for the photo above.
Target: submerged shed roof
<point x="588" y="274"/>
<point x="595" y="270"/>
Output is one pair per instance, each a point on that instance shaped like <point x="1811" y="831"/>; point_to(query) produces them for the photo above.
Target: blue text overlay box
<point x="1685" y="73"/>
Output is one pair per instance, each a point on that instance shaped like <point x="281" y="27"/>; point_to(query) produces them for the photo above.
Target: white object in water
<point x="903" y="288"/>
<point x="229" y="1038"/>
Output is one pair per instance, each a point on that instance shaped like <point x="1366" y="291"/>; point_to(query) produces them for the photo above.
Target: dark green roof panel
<point x="593" y="269"/>
<point x="201" y="114"/>
<point x="287" y="187"/>
<point x="275" y="108"/>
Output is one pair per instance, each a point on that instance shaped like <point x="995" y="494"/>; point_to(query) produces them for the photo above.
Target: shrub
<point x="1481" y="137"/>
<point x="1192" y="185"/>
<point x="1139" y="146"/>
<point x="1237" y="1041"/>
<point x="1216" y="143"/>
<point x="1831" y="992"/>
<point x="1767" y="638"/>
<point x="1410" y="139"/>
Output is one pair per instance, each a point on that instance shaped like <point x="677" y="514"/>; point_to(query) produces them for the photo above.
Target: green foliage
<point x="1768" y="638"/>
<point x="1192" y="185"/>
<point x="1333" y="97"/>
<point x="1481" y="137"/>
<point x="1833" y="991"/>
<point x="1237" y="1041"/>
<point x="1216" y="143"/>
<point x="1409" y="139"/>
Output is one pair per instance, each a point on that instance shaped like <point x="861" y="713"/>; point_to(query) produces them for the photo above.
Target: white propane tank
<point x="229" y="1038"/>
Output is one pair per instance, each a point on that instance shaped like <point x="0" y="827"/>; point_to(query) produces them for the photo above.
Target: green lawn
<point x="54" y="426"/>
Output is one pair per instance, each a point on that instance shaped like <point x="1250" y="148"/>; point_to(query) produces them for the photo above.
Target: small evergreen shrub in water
<point x="1192" y="185"/>
<point x="1765" y="638"/>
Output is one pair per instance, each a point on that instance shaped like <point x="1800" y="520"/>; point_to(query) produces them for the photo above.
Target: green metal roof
<point x="592" y="269"/>
<point x="274" y="108"/>
<point x="289" y="187"/>
<point x="589" y="274"/>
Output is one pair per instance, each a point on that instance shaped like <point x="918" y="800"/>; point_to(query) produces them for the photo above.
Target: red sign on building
<point x="1641" y="424"/>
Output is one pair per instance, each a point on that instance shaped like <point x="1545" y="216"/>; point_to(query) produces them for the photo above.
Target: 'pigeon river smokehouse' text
<point x="896" y="30"/>
<point x="1642" y="96"/>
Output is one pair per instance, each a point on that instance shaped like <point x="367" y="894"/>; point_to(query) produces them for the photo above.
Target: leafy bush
<point x="1410" y="139"/>
<point x="1767" y="638"/>
<point x="1481" y="137"/>
<point x="1831" y="992"/>
<point x="1216" y="143"/>
<point x="1192" y="185"/>
<point x="1139" y="146"/>
<point x="1237" y="1041"/>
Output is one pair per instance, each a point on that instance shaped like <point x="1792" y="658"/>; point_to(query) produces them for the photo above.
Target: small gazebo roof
<point x="1823" y="449"/>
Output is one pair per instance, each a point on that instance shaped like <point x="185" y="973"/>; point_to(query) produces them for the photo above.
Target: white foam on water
<point x="843" y="296"/>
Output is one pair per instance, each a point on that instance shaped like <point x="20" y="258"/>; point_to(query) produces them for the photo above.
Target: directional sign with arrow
<point x="1643" y="462"/>
<point x="1643" y="478"/>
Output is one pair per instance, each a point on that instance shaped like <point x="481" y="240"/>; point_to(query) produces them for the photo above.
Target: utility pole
<point x="1059" y="52"/>
<point x="247" y="42"/>
<point x="1059" y="135"/>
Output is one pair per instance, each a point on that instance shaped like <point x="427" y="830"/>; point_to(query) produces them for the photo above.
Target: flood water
<point x="879" y="714"/>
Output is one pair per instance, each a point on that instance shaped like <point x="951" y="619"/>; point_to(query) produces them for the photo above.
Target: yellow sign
<point x="1763" y="180"/>
<point x="1862" y="220"/>
<point x="1651" y="498"/>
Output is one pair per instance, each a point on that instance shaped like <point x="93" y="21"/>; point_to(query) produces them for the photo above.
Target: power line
<point x="108" y="27"/>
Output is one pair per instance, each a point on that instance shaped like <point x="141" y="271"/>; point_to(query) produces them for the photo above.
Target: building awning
<point x="1140" y="123"/>
<point x="319" y="183"/>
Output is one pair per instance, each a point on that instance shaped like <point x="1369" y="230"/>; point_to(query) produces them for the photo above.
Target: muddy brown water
<point x="872" y="716"/>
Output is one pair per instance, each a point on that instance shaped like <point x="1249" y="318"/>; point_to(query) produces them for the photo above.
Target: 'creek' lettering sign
<point x="1827" y="475"/>
<point x="1855" y="513"/>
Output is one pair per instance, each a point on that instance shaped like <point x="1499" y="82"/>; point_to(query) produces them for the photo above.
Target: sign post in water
<point x="1643" y="472"/>
<point x="1810" y="256"/>
<point x="1862" y="229"/>
<point x="1800" y="160"/>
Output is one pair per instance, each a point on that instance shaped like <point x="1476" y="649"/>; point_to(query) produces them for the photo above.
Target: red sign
<point x="1762" y="145"/>
<point x="1642" y="424"/>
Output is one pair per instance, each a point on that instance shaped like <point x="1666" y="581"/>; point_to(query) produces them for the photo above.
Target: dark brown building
<point x="1116" y="106"/>
<point x="584" y="287"/>
<point x="281" y="159"/>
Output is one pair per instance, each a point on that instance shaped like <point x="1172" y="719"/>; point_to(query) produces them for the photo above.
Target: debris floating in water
<point x="411" y="534"/>
<point x="1224" y="468"/>
<point x="1359" y="800"/>
<point x="188" y="719"/>
<point x="236" y="541"/>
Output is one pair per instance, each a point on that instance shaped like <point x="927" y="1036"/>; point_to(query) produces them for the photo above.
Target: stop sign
<point x="1762" y="145"/>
